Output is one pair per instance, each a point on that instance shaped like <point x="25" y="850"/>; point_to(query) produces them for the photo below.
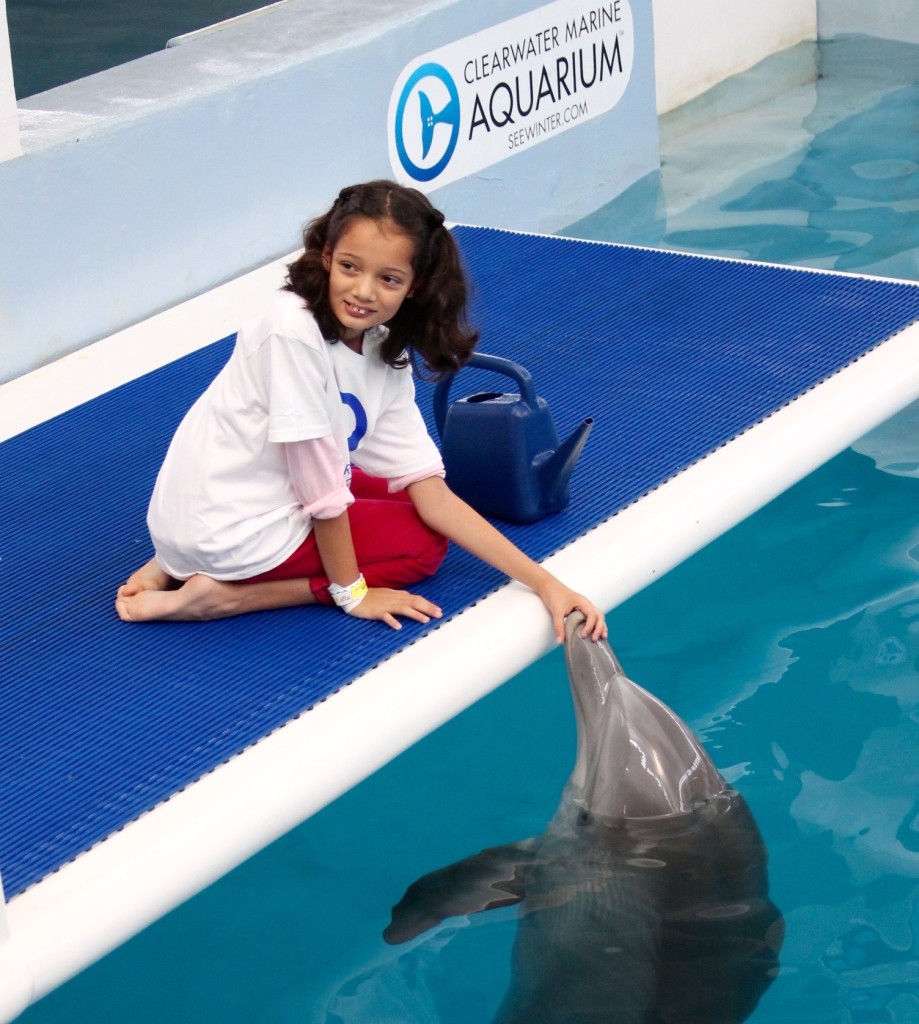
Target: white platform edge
<point x="90" y="906"/>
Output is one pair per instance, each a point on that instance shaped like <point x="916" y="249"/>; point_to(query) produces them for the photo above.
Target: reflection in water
<point x="869" y="812"/>
<point x="825" y="161"/>
<point x="856" y="190"/>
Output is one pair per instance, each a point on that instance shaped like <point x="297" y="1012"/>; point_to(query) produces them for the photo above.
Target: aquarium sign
<point x="474" y="102"/>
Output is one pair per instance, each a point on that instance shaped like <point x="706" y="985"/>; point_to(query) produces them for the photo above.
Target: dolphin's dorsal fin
<point x="486" y="881"/>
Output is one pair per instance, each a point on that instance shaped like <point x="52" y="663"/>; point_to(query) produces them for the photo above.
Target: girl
<point x="256" y="505"/>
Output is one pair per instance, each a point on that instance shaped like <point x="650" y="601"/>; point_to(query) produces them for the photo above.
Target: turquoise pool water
<point x="790" y="644"/>
<point x="811" y="158"/>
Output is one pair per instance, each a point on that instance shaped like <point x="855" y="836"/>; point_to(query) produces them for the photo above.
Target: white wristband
<point x="348" y="598"/>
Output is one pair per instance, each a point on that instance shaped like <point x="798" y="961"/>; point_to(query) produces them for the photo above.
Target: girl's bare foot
<point x="148" y="577"/>
<point x="201" y="598"/>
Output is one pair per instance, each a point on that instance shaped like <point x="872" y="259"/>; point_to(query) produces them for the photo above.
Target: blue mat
<point x="673" y="355"/>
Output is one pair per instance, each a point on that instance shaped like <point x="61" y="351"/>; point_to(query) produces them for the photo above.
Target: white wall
<point x="9" y="120"/>
<point x="157" y="180"/>
<point x="699" y="43"/>
<point x="887" y="19"/>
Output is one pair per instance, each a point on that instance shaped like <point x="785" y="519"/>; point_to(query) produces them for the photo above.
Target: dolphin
<point x="646" y="899"/>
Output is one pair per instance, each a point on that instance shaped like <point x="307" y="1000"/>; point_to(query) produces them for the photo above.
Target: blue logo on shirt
<point x="360" y="419"/>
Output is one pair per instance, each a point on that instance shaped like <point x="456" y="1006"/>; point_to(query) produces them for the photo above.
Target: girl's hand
<point x="561" y="601"/>
<point x="441" y="510"/>
<point x="384" y="604"/>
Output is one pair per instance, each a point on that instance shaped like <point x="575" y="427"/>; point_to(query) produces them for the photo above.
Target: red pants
<point x="393" y="546"/>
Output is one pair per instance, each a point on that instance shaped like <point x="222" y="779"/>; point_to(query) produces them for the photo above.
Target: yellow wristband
<point x="351" y="596"/>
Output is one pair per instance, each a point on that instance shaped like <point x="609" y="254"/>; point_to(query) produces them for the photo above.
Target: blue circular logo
<point x="360" y="419"/>
<point x="427" y="121"/>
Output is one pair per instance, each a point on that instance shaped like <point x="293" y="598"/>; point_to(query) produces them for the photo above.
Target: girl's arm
<point x="317" y="475"/>
<point x="336" y="549"/>
<point x="449" y="515"/>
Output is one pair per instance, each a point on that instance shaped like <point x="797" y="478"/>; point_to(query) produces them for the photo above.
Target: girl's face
<point x="370" y="275"/>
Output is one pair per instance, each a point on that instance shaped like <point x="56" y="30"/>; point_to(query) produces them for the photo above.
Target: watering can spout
<point x="555" y="468"/>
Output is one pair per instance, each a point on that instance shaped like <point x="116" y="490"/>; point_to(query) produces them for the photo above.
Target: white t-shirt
<point x="223" y="503"/>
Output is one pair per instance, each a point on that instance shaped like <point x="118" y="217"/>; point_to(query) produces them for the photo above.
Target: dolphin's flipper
<point x="488" y="880"/>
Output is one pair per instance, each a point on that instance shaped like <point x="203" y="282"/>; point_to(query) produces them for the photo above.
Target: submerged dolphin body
<point x="645" y="901"/>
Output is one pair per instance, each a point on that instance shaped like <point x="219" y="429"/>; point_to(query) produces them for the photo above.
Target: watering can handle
<point x="482" y="361"/>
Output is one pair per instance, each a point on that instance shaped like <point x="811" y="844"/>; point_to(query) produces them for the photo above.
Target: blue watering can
<point x="501" y="451"/>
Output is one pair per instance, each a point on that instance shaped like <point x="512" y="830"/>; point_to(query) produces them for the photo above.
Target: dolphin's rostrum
<point x="645" y="901"/>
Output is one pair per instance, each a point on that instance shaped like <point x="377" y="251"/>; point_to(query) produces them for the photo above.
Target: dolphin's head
<point x="636" y="758"/>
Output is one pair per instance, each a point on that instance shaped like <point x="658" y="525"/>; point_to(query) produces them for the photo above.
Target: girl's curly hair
<point x="432" y="321"/>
